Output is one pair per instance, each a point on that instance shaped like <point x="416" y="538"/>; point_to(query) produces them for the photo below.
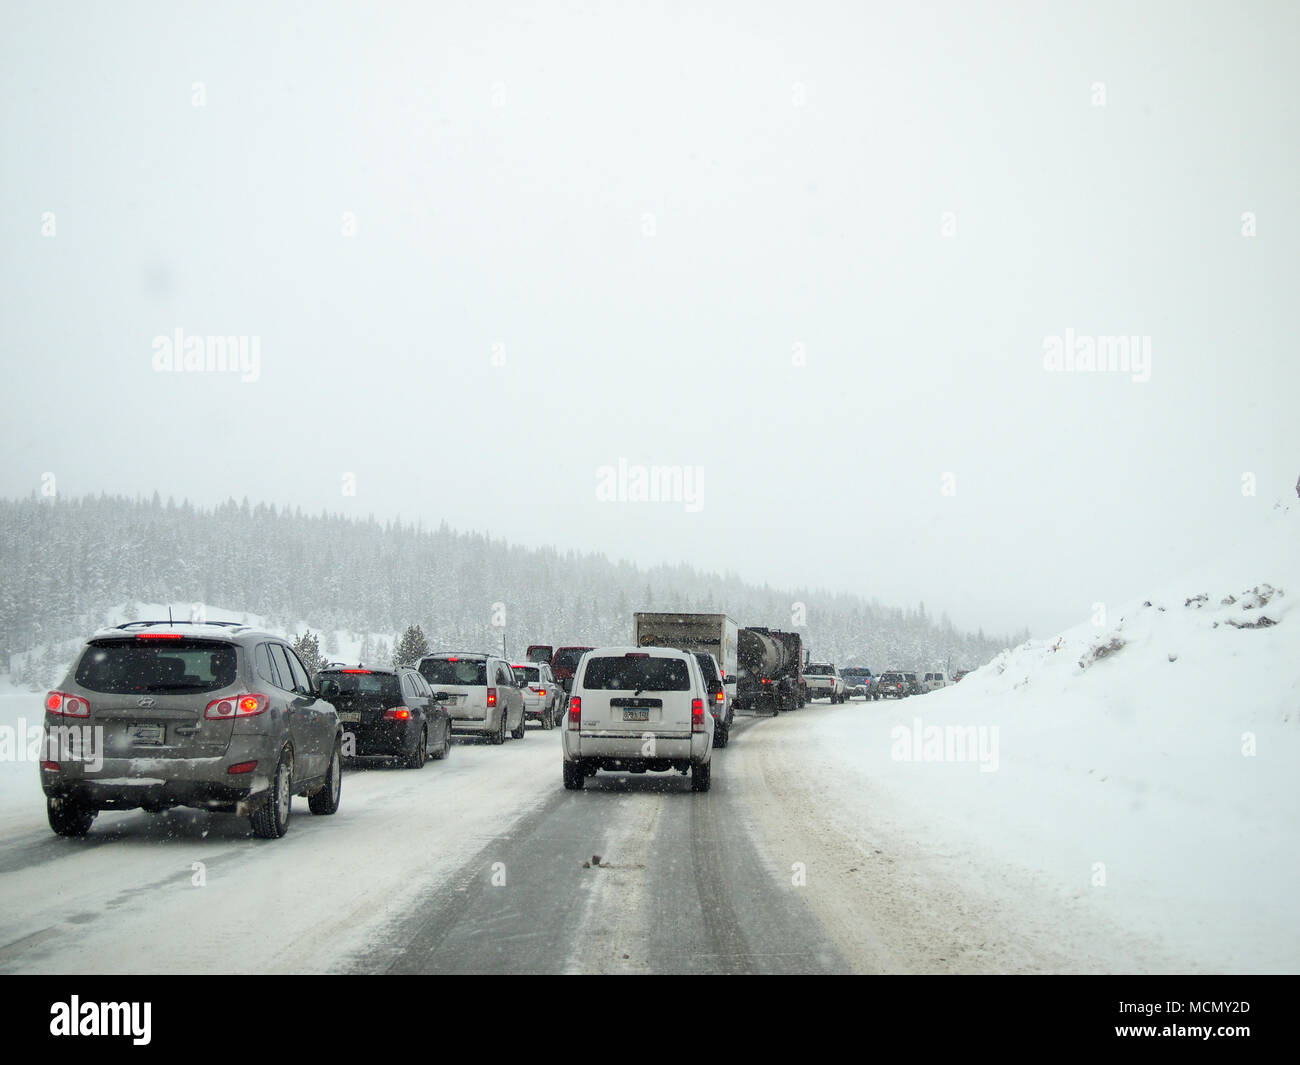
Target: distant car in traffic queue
<point x="389" y="713"/>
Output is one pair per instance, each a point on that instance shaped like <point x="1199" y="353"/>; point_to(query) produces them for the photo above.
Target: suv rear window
<point x="340" y="684"/>
<point x="462" y="671"/>
<point x="637" y="674"/>
<point x="173" y="667"/>
<point x="706" y="666"/>
<point x="527" y="674"/>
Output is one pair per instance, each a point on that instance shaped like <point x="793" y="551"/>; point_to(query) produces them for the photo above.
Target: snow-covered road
<point x="816" y="851"/>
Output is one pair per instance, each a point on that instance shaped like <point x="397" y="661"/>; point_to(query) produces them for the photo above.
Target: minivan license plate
<point x="150" y="734"/>
<point x="636" y="715"/>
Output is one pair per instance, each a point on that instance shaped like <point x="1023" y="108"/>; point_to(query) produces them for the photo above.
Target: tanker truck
<point x="770" y="670"/>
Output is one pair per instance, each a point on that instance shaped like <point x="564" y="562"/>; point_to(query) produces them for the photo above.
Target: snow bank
<point x="1141" y="765"/>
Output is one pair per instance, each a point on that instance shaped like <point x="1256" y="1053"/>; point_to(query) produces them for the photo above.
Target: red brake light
<point x="242" y="767"/>
<point x="53" y="767"/>
<point x="718" y="695"/>
<point x="246" y="704"/>
<point x="354" y="671"/>
<point x="492" y="697"/>
<point x="697" y="715"/>
<point x="451" y="659"/>
<point x="158" y="635"/>
<point x="397" y="713"/>
<point x="541" y="691"/>
<point x="66" y="705"/>
<point x="636" y="654"/>
<point x="575" y="712"/>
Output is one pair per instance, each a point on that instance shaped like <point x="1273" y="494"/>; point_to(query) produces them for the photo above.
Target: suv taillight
<point x="492" y="697"/>
<point x="247" y="704"/>
<point x="575" y="712"/>
<point x="66" y="705"/>
<point x="697" y="715"/>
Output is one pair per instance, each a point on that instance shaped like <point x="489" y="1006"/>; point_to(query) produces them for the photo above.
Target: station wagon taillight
<point x="397" y="713"/>
<point x="575" y="712"/>
<point x="66" y="705"/>
<point x="248" y="704"/>
<point x="697" y="715"/>
<point x="492" y="697"/>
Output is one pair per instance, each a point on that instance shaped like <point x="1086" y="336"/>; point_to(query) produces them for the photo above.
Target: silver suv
<point x="218" y="716"/>
<point x="479" y="691"/>
<point x="638" y="709"/>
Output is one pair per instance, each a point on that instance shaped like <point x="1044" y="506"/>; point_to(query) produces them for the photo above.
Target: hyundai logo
<point x="145" y="701"/>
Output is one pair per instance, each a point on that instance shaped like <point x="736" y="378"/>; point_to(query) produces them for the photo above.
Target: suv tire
<point x="445" y="749"/>
<point x="271" y="819"/>
<point x="573" y="776"/>
<point x="415" y="759"/>
<point x="69" y="817"/>
<point x="326" y="801"/>
<point x="701" y="776"/>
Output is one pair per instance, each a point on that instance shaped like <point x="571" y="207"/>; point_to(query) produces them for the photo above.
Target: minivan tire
<point x="518" y="733"/>
<point x="498" y="735"/>
<point x="701" y="776"/>
<point x="271" y="819"/>
<point x="326" y="801"/>
<point x="69" y="817"/>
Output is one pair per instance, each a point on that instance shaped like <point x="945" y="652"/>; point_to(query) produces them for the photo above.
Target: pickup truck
<point x="822" y="678"/>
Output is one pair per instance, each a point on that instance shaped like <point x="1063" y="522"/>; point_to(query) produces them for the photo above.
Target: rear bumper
<point x="379" y="738"/>
<point x="675" y="749"/>
<point x="129" y="793"/>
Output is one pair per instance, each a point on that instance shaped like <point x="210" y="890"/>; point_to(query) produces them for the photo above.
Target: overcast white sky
<point x="657" y="210"/>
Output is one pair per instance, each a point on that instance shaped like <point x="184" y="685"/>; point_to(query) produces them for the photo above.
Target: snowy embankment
<point x="1139" y="770"/>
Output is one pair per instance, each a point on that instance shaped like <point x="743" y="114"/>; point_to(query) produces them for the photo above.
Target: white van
<point x="933" y="681"/>
<point x="638" y="709"/>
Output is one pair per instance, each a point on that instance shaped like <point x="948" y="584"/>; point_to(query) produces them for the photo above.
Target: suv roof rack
<point x="461" y="654"/>
<point x="223" y="624"/>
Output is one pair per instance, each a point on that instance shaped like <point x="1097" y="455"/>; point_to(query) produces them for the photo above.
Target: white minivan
<point x="638" y="709"/>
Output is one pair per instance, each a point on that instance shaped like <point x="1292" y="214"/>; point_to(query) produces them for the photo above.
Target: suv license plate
<point x="636" y="715"/>
<point x="146" y="734"/>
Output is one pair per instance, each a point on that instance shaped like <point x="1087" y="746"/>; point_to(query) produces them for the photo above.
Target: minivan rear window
<point x="637" y="674"/>
<point x="466" y="672"/>
<point x="168" y="667"/>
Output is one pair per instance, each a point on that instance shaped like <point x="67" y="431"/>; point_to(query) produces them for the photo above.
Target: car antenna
<point x="169" y="615"/>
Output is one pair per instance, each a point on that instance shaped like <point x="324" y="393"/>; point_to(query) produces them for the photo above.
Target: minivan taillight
<point x="247" y="704"/>
<point x="492" y="697"/>
<point x="697" y="715"/>
<point x="66" y="705"/>
<point x="575" y="712"/>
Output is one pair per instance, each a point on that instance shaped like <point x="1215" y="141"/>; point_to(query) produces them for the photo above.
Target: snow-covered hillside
<point x="1140" y="771"/>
